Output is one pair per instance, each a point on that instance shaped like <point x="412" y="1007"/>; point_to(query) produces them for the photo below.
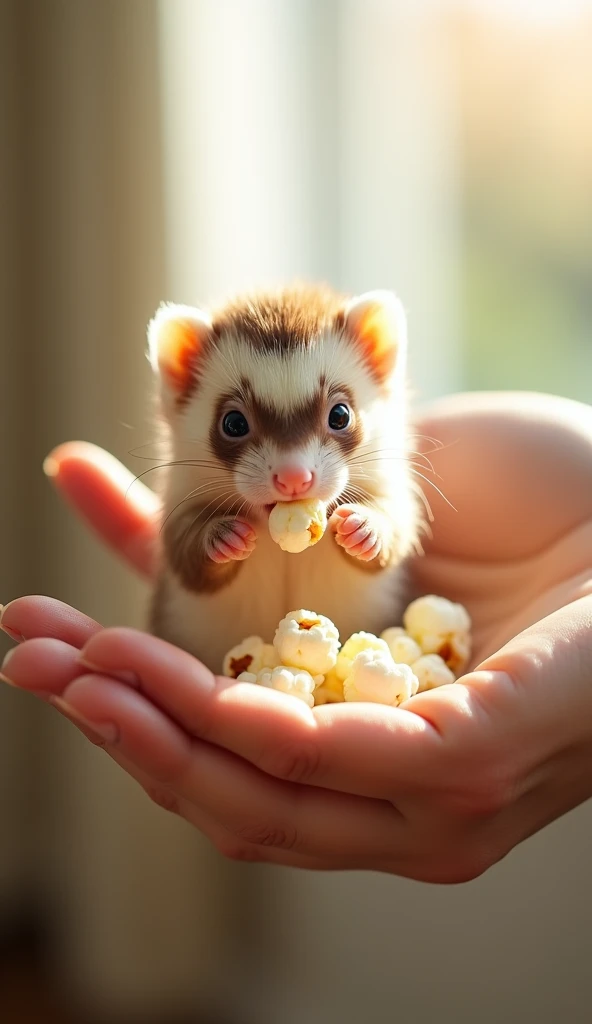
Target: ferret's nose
<point x="293" y="481"/>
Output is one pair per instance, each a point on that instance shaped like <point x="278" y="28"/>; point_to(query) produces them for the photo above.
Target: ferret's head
<point x="286" y="395"/>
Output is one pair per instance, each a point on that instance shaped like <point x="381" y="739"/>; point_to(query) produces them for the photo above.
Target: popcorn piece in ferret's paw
<point x="404" y="649"/>
<point x="297" y="525"/>
<point x="376" y="678"/>
<point x="249" y="656"/>
<point x="330" y="690"/>
<point x="432" y="671"/>
<point x="357" y="642"/>
<point x="440" y="627"/>
<point x="296" y="682"/>
<point x="307" y="640"/>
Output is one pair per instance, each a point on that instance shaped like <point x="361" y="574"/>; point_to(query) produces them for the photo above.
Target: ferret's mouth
<point x="331" y="505"/>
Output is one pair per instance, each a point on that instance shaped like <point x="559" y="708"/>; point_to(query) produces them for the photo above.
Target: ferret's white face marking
<point x="273" y="417"/>
<point x="287" y="403"/>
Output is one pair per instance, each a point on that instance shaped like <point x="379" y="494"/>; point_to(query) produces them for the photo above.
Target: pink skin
<point x="292" y="481"/>
<point x="438" y="789"/>
<point x="356" y="532"/>
<point x="234" y="544"/>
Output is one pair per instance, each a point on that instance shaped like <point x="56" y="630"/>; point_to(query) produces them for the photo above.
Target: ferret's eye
<point x="235" y="424"/>
<point x="339" y="417"/>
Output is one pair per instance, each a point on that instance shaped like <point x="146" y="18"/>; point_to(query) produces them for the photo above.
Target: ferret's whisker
<point x="432" y="484"/>
<point x="408" y="462"/>
<point x="401" y="453"/>
<point x="207" y="489"/>
<point x="359" y="493"/>
<point x="225" y="497"/>
<point x="165" y="443"/>
<point x="200" y="513"/>
<point x="439" y="445"/>
<point x="404" y="449"/>
<point x="419" y="491"/>
<point x="172" y="464"/>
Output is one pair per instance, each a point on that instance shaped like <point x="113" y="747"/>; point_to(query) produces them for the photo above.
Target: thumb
<point x="548" y="671"/>
<point x="539" y="684"/>
<point x="119" y="508"/>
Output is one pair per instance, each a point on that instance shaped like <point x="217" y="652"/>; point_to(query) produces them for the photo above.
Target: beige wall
<point x="141" y="907"/>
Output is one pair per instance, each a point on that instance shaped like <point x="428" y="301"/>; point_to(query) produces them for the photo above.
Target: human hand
<point x="438" y="789"/>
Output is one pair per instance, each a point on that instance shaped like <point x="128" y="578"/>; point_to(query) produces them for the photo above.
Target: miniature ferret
<point x="275" y="397"/>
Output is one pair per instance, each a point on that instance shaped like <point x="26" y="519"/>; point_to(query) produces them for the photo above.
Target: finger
<point x="43" y="666"/>
<point x="119" y="508"/>
<point x="37" y="616"/>
<point x="253" y="806"/>
<point x="225" y="842"/>
<point x="547" y="669"/>
<point x="47" y="666"/>
<point x="364" y="749"/>
<point x="518" y="711"/>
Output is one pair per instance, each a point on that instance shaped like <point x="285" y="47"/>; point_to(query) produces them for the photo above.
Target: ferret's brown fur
<point x="283" y="360"/>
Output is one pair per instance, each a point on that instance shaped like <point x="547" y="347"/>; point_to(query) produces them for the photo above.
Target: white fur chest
<point x="268" y="585"/>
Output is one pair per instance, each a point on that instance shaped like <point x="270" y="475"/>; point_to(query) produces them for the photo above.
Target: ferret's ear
<point x="376" y="321"/>
<point x="177" y="336"/>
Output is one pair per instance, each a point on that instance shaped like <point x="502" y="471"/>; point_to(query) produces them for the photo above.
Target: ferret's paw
<point x="230" y="540"/>
<point x="357" y="531"/>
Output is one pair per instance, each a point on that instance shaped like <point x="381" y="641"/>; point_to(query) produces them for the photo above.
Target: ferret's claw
<point x="356" y="532"/>
<point x="231" y="540"/>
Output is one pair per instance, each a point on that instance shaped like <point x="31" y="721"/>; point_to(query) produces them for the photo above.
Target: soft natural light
<point x="544" y="11"/>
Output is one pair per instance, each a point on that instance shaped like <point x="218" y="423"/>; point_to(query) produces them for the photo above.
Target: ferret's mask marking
<point x="294" y="428"/>
<point x="279" y="359"/>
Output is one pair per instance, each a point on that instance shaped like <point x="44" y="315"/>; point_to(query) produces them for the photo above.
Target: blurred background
<point x="183" y="150"/>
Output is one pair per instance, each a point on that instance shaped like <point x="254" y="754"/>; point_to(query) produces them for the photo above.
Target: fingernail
<point x="12" y="633"/>
<point x="123" y="675"/>
<point x="51" y="466"/>
<point x="97" y="732"/>
<point x="7" y="658"/>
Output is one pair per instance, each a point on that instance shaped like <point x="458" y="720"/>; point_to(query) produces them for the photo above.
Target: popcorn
<point x="404" y="649"/>
<point x="376" y="678"/>
<point x="269" y="656"/>
<point x="330" y="691"/>
<point x="432" y="671"/>
<point x="294" y="681"/>
<point x="297" y="525"/>
<point x="307" y="641"/>
<point x="440" y="627"/>
<point x="357" y="642"/>
<point x="249" y="656"/>
<point x="305" y="660"/>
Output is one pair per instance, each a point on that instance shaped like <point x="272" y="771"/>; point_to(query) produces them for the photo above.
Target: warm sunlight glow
<point x="543" y="11"/>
